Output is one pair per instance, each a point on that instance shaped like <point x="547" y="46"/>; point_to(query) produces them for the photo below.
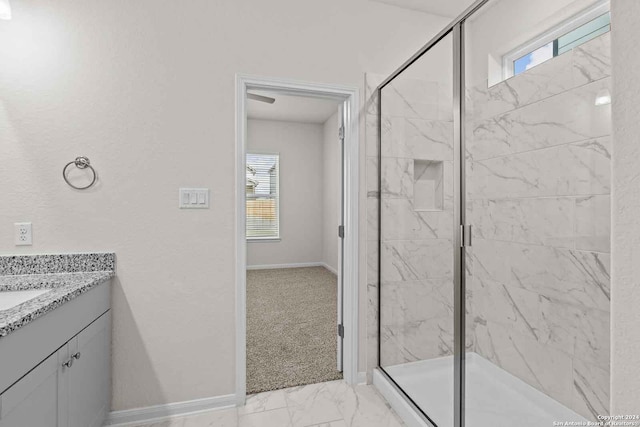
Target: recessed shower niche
<point x="427" y="185"/>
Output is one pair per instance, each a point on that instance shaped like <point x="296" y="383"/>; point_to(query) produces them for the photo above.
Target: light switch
<point x="194" y="198"/>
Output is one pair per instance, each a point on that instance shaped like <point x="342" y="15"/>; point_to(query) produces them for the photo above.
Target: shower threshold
<point x="494" y="397"/>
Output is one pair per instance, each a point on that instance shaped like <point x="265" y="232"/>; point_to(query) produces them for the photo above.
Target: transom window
<point x="262" y="196"/>
<point x="572" y="33"/>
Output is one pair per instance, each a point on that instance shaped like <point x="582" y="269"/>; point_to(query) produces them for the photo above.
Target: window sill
<point x="263" y="239"/>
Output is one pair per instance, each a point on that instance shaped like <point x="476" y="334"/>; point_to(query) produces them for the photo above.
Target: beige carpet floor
<point x="291" y="328"/>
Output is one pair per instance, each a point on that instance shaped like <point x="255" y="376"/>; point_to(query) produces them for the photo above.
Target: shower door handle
<point x="465" y="236"/>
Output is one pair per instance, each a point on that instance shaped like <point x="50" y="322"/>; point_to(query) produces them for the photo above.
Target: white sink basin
<point x="9" y="299"/>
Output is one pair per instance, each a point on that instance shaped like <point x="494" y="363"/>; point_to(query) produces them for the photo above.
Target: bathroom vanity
<point x="55" y="338"/>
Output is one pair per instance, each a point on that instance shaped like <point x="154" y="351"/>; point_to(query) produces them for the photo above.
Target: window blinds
<point x="262" y="190"/>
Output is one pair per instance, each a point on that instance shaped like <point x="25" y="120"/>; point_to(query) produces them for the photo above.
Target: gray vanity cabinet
<point x="32" y="401"/>
<point x="70" y="388"/>
<point x="84" y="388"/>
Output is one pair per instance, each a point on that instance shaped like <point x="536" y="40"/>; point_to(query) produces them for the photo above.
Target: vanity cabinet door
<point x="88" y="381"/>
<point x="32" y="400"/>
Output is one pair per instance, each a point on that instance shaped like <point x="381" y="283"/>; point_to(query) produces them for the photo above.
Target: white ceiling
<point x="448" y="8"/>
<point x="291" y="108"/>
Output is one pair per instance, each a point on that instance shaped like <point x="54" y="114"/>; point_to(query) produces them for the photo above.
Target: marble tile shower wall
<point x="373" y="199"/>
<point x="417" y="210"/>
<point x="538" y="177"/>
<point x="538" y="172"/>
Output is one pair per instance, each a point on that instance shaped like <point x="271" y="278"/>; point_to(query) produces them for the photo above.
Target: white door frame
<point x="351" y="195"/>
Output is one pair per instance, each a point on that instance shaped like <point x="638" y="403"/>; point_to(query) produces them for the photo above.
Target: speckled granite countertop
<point x="67" y="276"/>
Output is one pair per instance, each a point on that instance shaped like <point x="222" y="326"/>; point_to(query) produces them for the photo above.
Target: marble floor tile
<point x="362" y="406"/>
<point x="221" y="418"/>
<point x="313" y="404"/>
<point x="340" y="423"/>
<point x="274" y="418"/>
<point x="329" y="404"/>
<point x="264" y="402"/>
<point x="166" y="423"/>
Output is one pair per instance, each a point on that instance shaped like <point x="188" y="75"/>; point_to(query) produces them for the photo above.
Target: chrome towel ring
<point x="81" y="162"/>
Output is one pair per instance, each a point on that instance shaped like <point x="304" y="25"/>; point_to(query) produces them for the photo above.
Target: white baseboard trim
<point x="328" y="267"/>
<point x="273" y="266"/>
<point x="167" y="411"/>
<point x="295" y="265"/>
<point x="362" y="377"/>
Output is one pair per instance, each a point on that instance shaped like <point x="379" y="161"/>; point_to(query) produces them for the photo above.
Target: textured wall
<point x="625" y="289"/>
<point x="538" y="173"/>
<point x="146" y="89"/>
<point x="300" y="145"/>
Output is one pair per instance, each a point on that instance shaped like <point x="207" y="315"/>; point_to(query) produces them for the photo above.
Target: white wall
<point x="331" y="192"/>
<point x="146" y="90"/>
<point x="309" y="191"/>
<point x="625" y="292"/>
<point x="301" y="180"/>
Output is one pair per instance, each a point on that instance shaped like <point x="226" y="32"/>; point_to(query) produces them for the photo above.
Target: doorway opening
<point x="297" y="200"/>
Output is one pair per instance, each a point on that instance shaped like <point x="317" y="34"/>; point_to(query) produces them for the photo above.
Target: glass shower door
<point x="537" y="195"/>
<point x="417" y="231"/>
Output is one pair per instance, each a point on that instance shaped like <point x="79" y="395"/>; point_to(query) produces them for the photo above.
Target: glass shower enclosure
<point x="494" y="248"/>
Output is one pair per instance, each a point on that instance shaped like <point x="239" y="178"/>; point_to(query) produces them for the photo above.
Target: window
<point x="263" y="191"/>
<point x="574" y="32"/>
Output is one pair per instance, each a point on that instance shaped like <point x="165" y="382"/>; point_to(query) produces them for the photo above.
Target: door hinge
<point x="341" y="331"/>
<point x="341" y="132"/>
<point x="465" y="236"/>
<point x="341" y="231"/>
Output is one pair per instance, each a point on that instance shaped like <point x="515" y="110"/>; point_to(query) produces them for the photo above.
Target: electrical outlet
<point x="23" y="234"/>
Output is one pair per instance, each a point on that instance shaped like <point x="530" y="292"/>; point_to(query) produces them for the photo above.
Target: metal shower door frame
<point x="456" y="28"/>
